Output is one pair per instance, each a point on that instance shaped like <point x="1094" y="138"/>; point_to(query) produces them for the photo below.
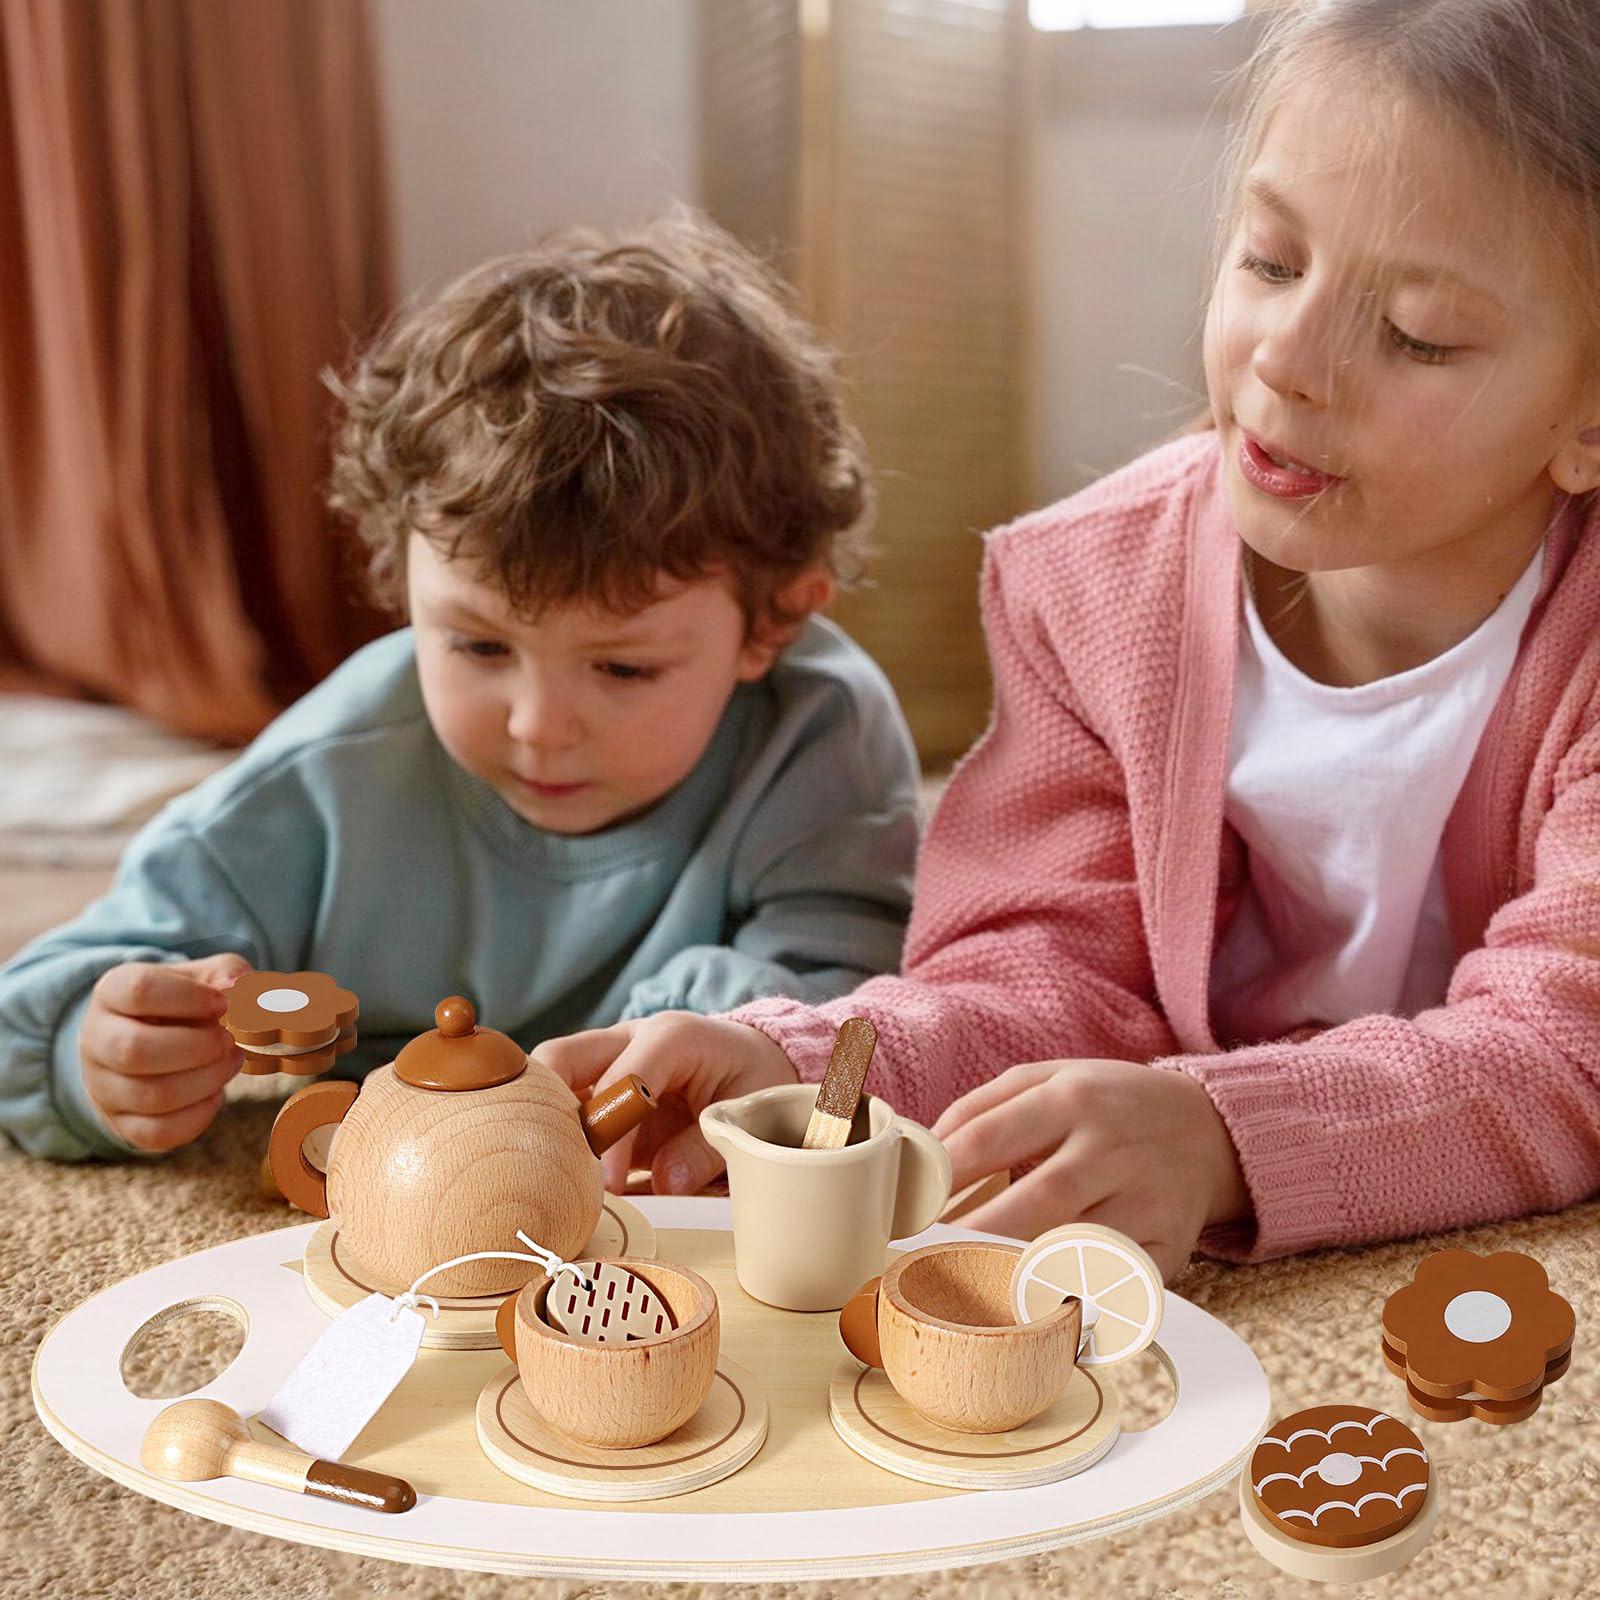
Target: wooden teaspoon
<point x="197" y="1439"/>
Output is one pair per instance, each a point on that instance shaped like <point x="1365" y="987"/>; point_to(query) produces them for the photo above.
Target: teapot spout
<point x="617" y="1111"/>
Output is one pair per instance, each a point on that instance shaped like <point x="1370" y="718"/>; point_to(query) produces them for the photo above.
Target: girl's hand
<point x="688" y="1061"/>
<point x="1138" y="1148"/>
<point x="155" y="1054"/>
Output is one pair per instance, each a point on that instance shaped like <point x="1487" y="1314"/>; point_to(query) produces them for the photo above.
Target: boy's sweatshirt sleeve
<point x="172" y="900"/>
<point x="1487" y="1106"/>
<point x="1026" y="939"/>
<point x="820" y="878"/>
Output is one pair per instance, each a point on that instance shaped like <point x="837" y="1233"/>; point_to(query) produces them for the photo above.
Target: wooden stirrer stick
<point x="829" y="1128"/>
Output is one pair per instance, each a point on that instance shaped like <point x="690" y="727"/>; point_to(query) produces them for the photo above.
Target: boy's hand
<point x="155" y="1055"/>
<point x="1138" y="1148"/>
<point x="688" y="1061"/>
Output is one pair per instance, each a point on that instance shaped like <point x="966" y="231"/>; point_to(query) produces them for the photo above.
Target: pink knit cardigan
<point x="1073" y="881"/>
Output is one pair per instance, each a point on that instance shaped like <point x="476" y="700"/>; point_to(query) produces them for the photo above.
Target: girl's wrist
<point x="768" y="1059"/>
<point x="1232" y="1203"/>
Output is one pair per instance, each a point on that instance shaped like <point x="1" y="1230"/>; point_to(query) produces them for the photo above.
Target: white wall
<point x="1127" y="138"/>
<point x="507" y="118"/>
<point x="510" y="117"/>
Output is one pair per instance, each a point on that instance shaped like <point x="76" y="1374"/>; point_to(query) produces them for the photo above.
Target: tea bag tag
<point x="618" y="1308"/>
<point x="362" y="1355"/>
<point x="343" y="1379"/>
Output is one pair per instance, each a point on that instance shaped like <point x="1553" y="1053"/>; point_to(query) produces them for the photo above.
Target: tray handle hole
<point x="183" y="1348"/>
<point x="1147" y="1385"/>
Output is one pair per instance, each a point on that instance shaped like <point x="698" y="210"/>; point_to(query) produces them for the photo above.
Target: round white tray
<point x="470" y="1516"/>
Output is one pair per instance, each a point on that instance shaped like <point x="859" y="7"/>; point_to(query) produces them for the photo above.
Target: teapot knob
<point x="458" y="1054"/>
<point x="455" y="1017"/>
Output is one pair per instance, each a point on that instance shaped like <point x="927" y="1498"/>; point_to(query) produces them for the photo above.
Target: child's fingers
<point x="670" y="1117"/>
<point x="167" y="1133"/>
<point x="118" y="1094"/>
<point x="986" y="1096"/>
<point x="161" y="991"/>
<point x="617" y="1162"/>
<point x="689" y="1059"/>
<point x="152" y="1049"/>
<point x="1127" y="1216"/>
<point x="580" y="1058"/>
<point x="700" y="1058"/>
<point x="685" y="1164"/>
<point x="1005" y="1136"/>
<point x="1056" y="1191"/>
<point x="645" y="1054"/>
<point x="219" y="972"/>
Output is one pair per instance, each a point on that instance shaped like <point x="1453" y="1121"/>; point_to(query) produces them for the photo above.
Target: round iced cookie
<point x="1339" y="1476"/>
<point x="1339" y="1494"/>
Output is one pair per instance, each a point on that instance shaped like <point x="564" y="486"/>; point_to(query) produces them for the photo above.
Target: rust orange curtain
<point x="192" y="226"/>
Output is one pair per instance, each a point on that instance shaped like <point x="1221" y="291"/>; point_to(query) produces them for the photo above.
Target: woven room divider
<point x="875" y="151"/>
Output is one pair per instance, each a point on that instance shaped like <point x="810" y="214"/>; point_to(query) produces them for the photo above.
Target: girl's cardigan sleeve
<point x="1026" y="940"/>
<point x="1487" y="1106"/>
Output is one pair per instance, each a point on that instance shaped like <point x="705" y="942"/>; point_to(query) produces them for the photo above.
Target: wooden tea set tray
<point x="805" y="1507"/>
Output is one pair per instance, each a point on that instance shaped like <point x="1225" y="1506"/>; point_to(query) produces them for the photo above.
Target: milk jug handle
<point x="924" y="1180"/>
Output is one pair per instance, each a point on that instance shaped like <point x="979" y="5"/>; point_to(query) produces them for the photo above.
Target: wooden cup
<point x="617" y="1396"/>
<point x="940" y="1324"/>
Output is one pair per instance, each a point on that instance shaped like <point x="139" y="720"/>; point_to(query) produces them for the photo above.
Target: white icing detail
<point x="1477" y="1316"/>
<point x="1299" y="1479"/>
<point x="1338" y="1469"/>
<point x="1131" y="1321"/>
<point x="283" y="1000"/>
<point x="1317" y="1433"/>
<point x="1127" y="1277"/>
<point x="1344" y="1505"/>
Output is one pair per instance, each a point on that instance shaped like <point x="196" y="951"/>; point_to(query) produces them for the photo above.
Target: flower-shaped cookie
<point x="296" y="1021"/>
<point x="1480" y="1330"/>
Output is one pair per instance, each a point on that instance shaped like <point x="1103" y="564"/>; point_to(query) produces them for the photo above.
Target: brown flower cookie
<point x="1339" y="1476"/>
<point x="290" y="1021"/>
<point x="1438" y="1409"/>
<point x="1477" y="1335"/>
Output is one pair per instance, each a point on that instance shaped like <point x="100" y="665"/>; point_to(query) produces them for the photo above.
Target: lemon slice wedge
<point x="1118" y="1283"/>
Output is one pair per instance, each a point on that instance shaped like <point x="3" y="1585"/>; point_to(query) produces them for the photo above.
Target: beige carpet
<point x="1519" y="1521"/>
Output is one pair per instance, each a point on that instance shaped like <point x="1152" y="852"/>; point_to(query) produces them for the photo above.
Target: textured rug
<point x="1518" y="1521"/>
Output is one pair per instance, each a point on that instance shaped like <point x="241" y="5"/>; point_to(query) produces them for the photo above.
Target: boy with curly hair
<point x="616" y="764"/>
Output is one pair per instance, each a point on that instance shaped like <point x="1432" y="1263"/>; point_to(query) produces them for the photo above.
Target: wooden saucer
<point x="724" y="1434"/>
<point x="336" y="1280"/>
<point x="876" y="1423"/>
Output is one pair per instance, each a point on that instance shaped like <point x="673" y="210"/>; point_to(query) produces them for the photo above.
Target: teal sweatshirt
<point x="346" y="840"/>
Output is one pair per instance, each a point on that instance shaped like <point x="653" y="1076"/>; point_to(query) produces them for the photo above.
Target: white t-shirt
<point x="1341" y="796"/>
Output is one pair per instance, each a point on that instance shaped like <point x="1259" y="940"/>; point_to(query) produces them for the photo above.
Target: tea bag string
<point x="548" y="1259"/>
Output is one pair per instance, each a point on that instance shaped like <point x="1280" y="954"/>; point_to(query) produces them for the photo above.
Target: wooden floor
<point x="33" y="899"/>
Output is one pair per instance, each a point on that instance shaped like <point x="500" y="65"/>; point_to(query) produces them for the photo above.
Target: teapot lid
<point x="458" y="1054"/>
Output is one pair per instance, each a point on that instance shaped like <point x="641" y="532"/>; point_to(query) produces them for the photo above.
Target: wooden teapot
<point x="451" y="1148"/>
